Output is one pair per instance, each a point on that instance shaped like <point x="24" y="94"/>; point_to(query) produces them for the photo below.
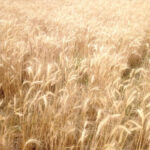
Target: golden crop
<point x="74" y="75"/>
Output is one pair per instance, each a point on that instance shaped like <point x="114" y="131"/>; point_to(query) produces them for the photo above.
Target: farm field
<point x="74" y="75"/>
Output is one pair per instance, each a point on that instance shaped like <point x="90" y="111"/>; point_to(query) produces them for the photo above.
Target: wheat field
<point x="74" y="75"/>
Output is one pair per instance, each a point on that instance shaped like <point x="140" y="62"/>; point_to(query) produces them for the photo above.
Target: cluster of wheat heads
<point x="74" y="75"/>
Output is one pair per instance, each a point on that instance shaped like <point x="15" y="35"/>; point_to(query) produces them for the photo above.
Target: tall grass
<point x="74" y="75"/>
